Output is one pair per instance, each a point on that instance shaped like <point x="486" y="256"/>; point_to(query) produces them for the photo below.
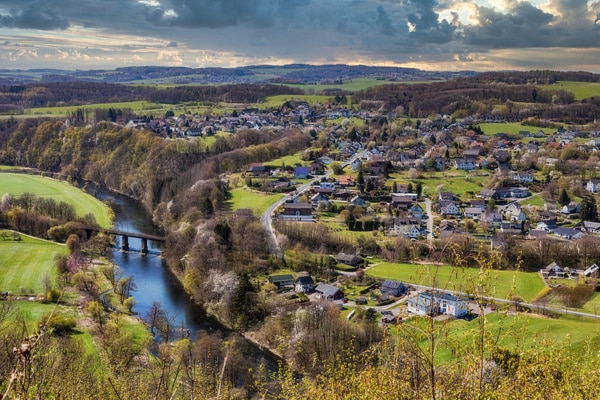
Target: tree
<point x="124" y="287"/>
<point x="589" y="211"/>
<point x="74" y="244"/>
<point x="564" y="198"/>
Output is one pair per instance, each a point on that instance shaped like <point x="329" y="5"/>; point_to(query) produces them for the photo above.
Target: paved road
<point x="429" y="220"/>
<point x="267" y="218"/>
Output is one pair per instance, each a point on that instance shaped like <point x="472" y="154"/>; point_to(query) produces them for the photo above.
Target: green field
<point x="256" y="201"/>
<point x="17" y="184"/>
<point x="518" y="332"/>
<point x="512" y="127"/>
<point x="277" y="101"/>
<point x="581" y="90"/>
<point x="526" y="284"/>
<point x="26" y="264"/>
<point x="290" y="160"/>
<point x="457" y="182"/>
<point x="350" y="86"/>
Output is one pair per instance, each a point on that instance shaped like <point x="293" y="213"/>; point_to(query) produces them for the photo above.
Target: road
<point x="429" y="220"/>
<point x="266" y="219"/>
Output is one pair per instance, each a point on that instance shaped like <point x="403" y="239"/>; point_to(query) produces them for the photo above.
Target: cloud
<point x="37" y="15"/>
<point x="213" y="13"/>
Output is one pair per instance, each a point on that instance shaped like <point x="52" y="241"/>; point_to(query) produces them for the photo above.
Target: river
<point x="154" y="281"/>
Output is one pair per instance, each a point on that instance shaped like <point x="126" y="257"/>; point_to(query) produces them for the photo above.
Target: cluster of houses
<point x="429" y="303"/>
<point x="554" y="270"/>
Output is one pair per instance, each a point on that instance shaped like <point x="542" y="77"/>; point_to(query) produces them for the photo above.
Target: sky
<point x="427" y="34"/>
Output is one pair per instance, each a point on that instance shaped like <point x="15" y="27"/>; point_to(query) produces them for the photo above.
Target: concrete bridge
<point x="125" y="237"/>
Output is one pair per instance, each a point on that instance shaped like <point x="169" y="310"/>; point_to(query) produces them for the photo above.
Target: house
<point x="328" y="292"/>
<point x="446" y="196"/>
<point x="349" y="259"/>
<point x="478" y="204"/>
<point x="297" y="212"/>
<point x="553" y="270"/>
<point x="404" y="202"/>
<point x="593" y="185"/>
<point x="317" y="198"/>
<point x="416" y="211"/>
<point x="300" y="172"/>
<point x="492" y="218"/>
<point x="593" y="269"/>
<point x="568" y="233"/>
<point x="346" y="180"/>
<point x="519" y="192"/>
<point x="473" y="212"/>
<point x="435" y="303"/>
<point x="571" y="208"/>
<point x="548" y="225"/>
<point x="407" y="231"/>
<point x="464" y="164"/>
<point x="358" y="201"/>
<point x="284" y="281"/>
<point x="589" y="226"/>
<point x="304" y="284"/>
<point x="535" y="234"/>
<point x="393" y="288"/>
<point x="256" y="169"/>
<point x="449" y="208"/>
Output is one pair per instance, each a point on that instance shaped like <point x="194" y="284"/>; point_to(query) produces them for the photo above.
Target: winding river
<point x="154" y="281"/>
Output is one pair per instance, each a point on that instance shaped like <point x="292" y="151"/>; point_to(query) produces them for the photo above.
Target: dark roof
<point x="327" y="290"/>
<point x="305" y="280"/>
<point x="281" y="278"/>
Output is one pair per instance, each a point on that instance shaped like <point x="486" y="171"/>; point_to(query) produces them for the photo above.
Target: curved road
<point x="267" y="218"/>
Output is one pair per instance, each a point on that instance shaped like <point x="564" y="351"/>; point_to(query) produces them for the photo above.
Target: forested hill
<point x="293" y="73"/>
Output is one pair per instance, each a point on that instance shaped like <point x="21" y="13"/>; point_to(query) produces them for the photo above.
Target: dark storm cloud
<point x="426" y="24"/>
<point x="525" y="26"/>
<point x="37" y="15"/>
<point x="384" y="22"/>
<point x="215" y="13"/>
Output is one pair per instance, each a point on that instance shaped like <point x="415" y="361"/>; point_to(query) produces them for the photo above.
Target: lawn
<point x="290" y="160"/>
<point x="581" y="90"/>
<point x="526" y="284"/>
<point x="278" y="100"/>
<point x="458" y="182"/>
<point x="256" y="201"/>
<point x="25" y="264"/>
<point x="511" y="127"/>
<point x="17" y="184"/>
<point x="518" y="332"/>
<point x="66" y="110"/>
<point x="535" y="200"/>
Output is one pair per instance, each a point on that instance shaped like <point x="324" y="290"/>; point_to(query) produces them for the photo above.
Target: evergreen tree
<point x="589" y="211"/>
<point x="419" y="189"/>
<point x="564" y="198"/>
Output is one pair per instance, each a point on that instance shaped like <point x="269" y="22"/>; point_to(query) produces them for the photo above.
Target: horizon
<point x="431" y="35"/>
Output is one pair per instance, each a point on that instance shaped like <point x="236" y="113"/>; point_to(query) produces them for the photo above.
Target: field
<point x="277" y="101"/>
<point x="290" y="160"/>
<point x="17" y="184"/>
<point x="26" y="264"/>
<point x="518" y="332"/>
<point x="581" y="90"/>
<point x="350" y="86"/>
<point x="458" y="182"/>
<point x="511" y="127"/>
<point x="255" y="201"/>
<point x="526" y="284"/>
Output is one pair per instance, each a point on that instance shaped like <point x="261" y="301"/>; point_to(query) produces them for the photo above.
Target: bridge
<point x="125" y="237"/>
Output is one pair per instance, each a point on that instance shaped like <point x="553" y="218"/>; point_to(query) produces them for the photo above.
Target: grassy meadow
<point x="517" y="332"/>
<point x="581" y="90"/>
<point x="526" y="284"/>
<point x="26" y="264"/>
<point x="258" y="202"/>
<point x="17" y="184"/>
<point x="512" y="127"/>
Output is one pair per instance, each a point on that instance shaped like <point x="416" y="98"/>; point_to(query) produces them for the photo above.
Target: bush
<point x="59" y="324"/>
<point x="53" y="295"/>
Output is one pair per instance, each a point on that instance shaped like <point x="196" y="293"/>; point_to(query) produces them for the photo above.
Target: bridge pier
<point x="144" y="246"/>
<point x="125" y="243"/>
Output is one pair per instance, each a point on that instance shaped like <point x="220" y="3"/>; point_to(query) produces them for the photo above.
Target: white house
<point x="593" y="185"/>
<point x="432" y="303"/>
<point x="449" y="208"/>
